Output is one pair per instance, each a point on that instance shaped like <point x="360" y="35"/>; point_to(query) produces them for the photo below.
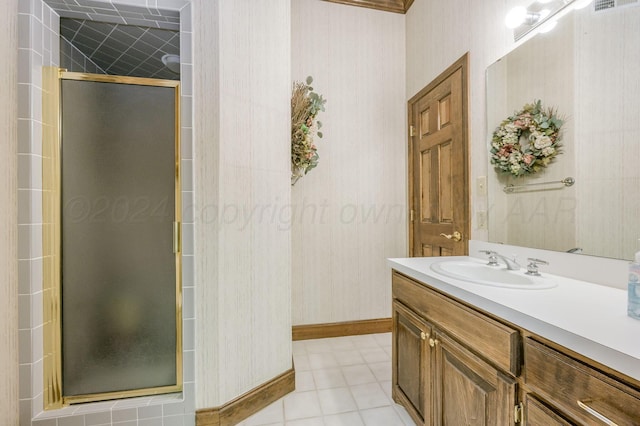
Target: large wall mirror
<point x="588" y="68"/>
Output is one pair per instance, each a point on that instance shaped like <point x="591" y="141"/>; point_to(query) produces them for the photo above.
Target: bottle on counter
<point x="633" y="302"/>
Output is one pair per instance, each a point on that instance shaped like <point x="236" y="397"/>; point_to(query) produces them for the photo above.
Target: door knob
<point x="456" y="236"/>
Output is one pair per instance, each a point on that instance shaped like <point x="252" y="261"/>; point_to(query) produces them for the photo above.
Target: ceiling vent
<point x="608" y="4"/>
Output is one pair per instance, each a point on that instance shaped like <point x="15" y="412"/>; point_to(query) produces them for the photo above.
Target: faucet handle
<point x="493" y="259"/>
<point x="532" y="267"/>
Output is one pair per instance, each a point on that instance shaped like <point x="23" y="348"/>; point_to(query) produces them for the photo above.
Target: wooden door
<point x="438" y="166"/>
<point x="467" y="390"/>
<point x="412" y="364"/>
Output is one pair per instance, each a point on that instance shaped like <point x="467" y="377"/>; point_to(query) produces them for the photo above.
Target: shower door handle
<point x="177" y="237"/>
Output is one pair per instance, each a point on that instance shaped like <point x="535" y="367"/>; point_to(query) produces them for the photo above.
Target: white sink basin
<point x="497" y="276"/>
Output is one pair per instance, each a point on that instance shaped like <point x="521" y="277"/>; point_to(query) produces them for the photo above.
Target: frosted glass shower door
<point x="120" y="286"/>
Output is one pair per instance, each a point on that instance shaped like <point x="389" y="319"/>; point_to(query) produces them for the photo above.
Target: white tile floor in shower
<point x="342" y="381"/>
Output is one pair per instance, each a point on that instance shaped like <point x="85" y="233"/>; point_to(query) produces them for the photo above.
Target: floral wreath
<point x="305" y="105"/>
<point x="527" y="141"/>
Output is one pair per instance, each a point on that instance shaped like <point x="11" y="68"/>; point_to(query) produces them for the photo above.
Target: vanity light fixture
<point x="541" y="16"/>
<point x="520" y="16"/>
<point x="515" y="17"/>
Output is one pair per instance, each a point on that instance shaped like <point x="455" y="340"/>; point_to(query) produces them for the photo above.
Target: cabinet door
<point x="412" y="364"/>
<point x="468" y="391"/>
<point x="538" y="414"/>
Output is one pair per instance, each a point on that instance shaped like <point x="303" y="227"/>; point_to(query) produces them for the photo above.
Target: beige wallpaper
<point x="8" y="214"/>
<point x="241" y="131"/>
<point x="542" y="216"/>
<point x="438" y="33"/>
<point x="349" y="214"/>
<point x="608" y="131"/>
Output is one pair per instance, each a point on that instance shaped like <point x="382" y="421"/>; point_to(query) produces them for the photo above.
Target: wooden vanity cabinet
<point x="436" y="377"/>
<point x="455" y="365"/>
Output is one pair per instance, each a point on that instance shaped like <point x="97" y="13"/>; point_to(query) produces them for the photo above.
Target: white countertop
<point x="587" y="318"/>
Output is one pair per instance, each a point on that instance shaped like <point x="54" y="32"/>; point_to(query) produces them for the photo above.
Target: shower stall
<point x="111" y="207"/>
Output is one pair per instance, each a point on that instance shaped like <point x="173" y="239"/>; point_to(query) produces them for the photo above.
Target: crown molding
<point x="395" y="6"/>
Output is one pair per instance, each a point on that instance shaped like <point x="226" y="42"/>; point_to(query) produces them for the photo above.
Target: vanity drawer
<point x="539" y="414"/>
<point x="581" y="391"/>
<point x="497" y="342"/>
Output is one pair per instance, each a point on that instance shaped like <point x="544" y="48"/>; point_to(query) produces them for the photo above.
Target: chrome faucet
<point x="511" y="264"/>
<point x="493" y="260"/>
<point x="532" y="267"/>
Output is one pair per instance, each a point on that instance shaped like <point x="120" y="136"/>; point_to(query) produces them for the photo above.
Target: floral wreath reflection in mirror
<point x="527" y="141"/>
<point x="305" y="106"/>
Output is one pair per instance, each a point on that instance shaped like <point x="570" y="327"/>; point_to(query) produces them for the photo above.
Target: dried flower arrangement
<point x="305" y="105"/>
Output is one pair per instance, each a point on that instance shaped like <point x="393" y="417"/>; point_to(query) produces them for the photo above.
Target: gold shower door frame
<point x="52" y="239"/>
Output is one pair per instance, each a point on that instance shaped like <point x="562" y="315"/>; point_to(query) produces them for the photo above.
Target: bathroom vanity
<point x="479" y="354"/>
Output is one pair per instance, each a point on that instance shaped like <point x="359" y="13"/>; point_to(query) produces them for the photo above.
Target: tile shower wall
<point x="38" y="41"/>
<point x="130" y="12"/>
<point x="38" y="46"/>
<point x="74" y="60"/>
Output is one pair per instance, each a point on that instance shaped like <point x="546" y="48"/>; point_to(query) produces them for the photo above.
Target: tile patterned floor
<point x="343" y="381"/>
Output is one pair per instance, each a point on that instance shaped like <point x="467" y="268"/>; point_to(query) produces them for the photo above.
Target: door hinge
<point x="412" y="131"/>
<point x="518" y="413"/>
<point x="412" y="215"/>
<point x="177" y="228"/>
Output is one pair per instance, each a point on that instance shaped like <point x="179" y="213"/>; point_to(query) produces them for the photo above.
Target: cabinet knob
<point x="433" y="342"/>
<point x="423" y="335"/>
